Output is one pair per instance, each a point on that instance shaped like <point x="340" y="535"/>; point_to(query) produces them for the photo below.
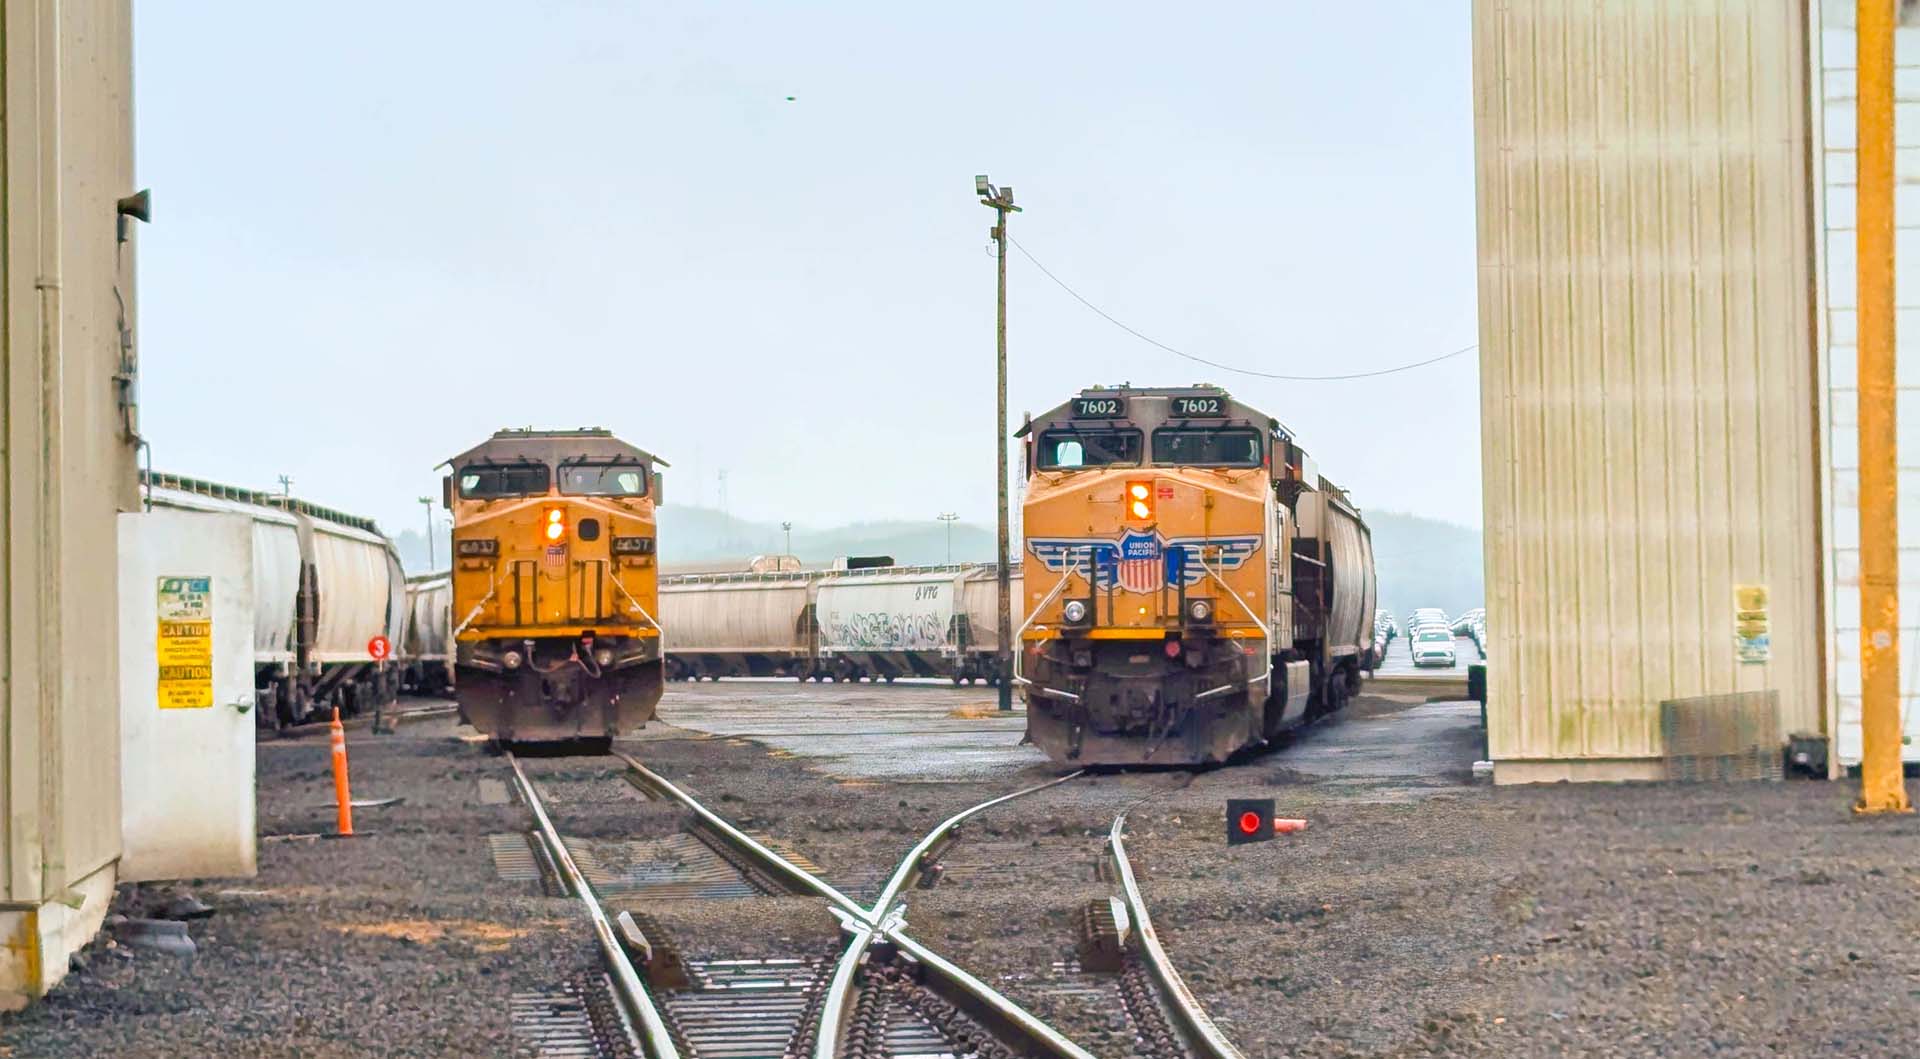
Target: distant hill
<point x="696" y="534"/>
<point x="1423" y="562"/>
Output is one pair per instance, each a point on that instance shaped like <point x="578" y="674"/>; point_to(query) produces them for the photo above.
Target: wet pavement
<point x="934" y="732"/>
<point x="911" y="730"/>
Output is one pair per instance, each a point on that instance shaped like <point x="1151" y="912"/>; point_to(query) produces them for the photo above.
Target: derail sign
<point x="185" y="645"/>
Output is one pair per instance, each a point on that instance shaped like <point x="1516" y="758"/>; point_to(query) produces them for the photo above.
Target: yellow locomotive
<point x="554" y="585"/>
<point x="1193" y="585"/>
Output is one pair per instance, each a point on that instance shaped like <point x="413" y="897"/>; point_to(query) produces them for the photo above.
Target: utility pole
<point x="948" y="517"/>
<point x="427" y="502"/>
<point x="286" y="490"/>
<point x="1882" y="788"/>
<point x="787" y="528"/>
<point x="1000" y="200"/>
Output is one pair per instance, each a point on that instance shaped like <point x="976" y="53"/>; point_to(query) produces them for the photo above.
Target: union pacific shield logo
<point x="1138" y="560"/>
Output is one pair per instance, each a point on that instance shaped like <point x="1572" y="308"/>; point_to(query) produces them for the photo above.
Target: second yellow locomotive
<point x="554" y="585"/>
<point x="1193" y="585"/>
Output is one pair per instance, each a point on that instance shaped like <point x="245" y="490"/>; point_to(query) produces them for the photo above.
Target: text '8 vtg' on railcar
<point x="555" y="585"/>
<point x="1193" y="585"/>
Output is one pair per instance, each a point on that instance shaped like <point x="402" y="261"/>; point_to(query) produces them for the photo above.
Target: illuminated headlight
<point x="603" y="656"/>
<point x="633" y="546"/>
<point x="510" y="660"/>
<point x="477" y="546"/>
<point x="1075" y="611"/>
<point x="1200" y="610"/>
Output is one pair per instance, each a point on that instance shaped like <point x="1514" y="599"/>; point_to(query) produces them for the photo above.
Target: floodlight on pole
<point x="948" y="517"/>
<point x="1000" y="200"/>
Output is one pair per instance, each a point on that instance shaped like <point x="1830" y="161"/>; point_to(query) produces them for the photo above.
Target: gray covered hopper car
<point x="325" y="583"/>
<point x="876" y="623"/>
<point x="424" y="649"/>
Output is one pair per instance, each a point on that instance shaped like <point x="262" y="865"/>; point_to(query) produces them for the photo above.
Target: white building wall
<point x="1833" y="58"/>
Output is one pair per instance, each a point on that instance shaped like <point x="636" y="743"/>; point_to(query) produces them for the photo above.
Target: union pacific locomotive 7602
<point x="1193" y="585"/>
<point x="554" y="585"/>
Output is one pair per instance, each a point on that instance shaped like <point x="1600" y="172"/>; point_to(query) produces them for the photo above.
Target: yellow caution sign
<point x="185" y="644"/>
<point x="1751" y="627"/>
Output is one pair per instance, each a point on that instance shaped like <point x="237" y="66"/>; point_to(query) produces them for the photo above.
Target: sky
<point x="743" y="237"/>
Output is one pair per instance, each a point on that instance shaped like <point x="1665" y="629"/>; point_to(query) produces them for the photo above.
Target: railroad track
<point x="884" y="996"/>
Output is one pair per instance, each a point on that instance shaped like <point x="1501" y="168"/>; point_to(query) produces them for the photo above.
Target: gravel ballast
<point x="1419" y="914"/>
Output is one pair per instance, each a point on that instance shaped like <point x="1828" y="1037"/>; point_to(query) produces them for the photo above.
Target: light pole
<point x="427" y="502"/>
<point x="948" y="517"/>
<point x="787" y="528"/>
<point x="1000" y="200"/>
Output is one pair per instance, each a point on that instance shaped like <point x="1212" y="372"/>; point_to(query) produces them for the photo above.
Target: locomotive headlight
<point x="1075" y="611"/>
<point x="556" y="527"/>
<point x="1200" y="610"/>
<point x="510" y="660"/>
<point x="603" y="656"/>
<point x="477" y="546"/>
<point x="1140" y="501"/>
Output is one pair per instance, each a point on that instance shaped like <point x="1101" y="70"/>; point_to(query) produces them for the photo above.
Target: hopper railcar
<point x="1195" y="586"/>
<point x="324" y="584"/>
<point x="853" y="622"/>
<point x="554" y="585"/>
<point x="425" y="649"/>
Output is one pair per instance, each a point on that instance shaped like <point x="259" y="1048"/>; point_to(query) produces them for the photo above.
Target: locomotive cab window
<point x="1065" y="450"/>
<point x="603" y="479"/>
<point x="1231" y="447"/>
<point x="485" y="481"/>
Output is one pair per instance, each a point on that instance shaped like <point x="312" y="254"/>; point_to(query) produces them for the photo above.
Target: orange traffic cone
<point x="344" y="823"/>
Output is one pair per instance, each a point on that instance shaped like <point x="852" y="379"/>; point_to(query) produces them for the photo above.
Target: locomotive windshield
<point x="603" y="479"/>
<point x="1069" y="448"/>
<point x="1207" y="448"/>
<point x="483" y="481"/>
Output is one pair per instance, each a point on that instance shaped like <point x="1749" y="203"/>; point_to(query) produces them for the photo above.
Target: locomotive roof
<point x="539" y="446"/>
<point x="1237" y="410"/>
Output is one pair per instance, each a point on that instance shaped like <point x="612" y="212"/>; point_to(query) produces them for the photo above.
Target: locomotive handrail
<point x="1035" y="613"/>
<point x="643" y="613"/>
<point x="478" y="607"/>
<point x="1266" y="631"/>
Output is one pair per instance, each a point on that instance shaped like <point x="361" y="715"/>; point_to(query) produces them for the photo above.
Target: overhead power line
<point x="1150" y="340"/>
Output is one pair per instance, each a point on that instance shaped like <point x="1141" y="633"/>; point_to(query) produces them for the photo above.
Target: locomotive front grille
<point x="588" y="598"/>
<point x="526" y="592"/>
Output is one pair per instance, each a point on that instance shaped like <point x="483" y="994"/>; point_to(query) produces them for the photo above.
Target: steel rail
<point x="884" y="918"/>
<point x="773" y="862"/>
<point x="916" y="859"/>
<point x="1190" y="1019"/>
<point x="979" y="1000"/>
<point x="655" y="1040"/>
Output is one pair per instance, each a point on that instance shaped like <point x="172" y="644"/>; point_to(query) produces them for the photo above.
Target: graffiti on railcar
<point x="885" y="631"/>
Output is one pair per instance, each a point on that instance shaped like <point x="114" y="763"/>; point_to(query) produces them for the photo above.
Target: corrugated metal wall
<point x="67" y="467"/>
<point x="1646" y="364"/>
<point x="1834" y="61"/>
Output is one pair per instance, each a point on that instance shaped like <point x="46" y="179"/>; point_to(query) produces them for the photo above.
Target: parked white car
<point x="1433" y="647"/>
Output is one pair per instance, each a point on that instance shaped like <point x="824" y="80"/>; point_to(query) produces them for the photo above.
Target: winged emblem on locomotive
<point x="1137" y="561"/>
